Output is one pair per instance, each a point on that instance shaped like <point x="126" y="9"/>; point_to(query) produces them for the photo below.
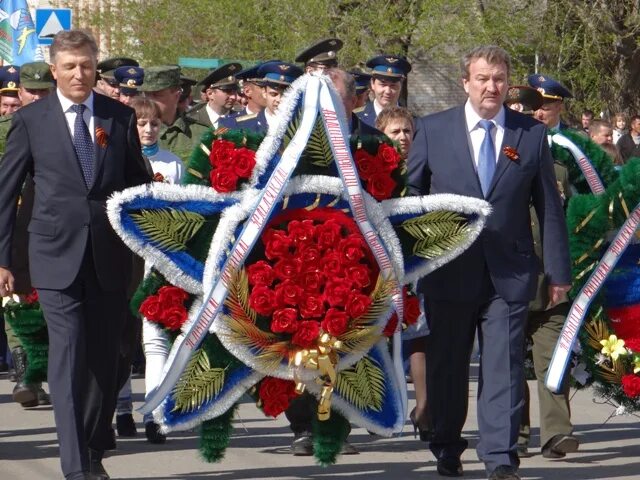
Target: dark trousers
<point x="85" y="327"/>
<point x="500" y="326"/>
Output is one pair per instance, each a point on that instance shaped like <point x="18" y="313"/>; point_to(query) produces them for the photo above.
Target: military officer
<point x="179" y="133"/>
<point x="221" y="88"/>
<point x="321" y="55"/>
<point x="545" y="324"/>
<point x="275" y="77"/>
<point x="387" y="74"/>
<point x="105" y="81"/>
<point x="251" y="87"/>
<point x="9" y="100"/>
<point x="553" y="96"/>
<point x="129" y="80"/>
<point x="363" y="82"/>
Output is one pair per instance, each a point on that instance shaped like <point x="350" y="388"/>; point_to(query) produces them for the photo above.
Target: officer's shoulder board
<point x="244" y="118"/>
<point x="358" y="110"/>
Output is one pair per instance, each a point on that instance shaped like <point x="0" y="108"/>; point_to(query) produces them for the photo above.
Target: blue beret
<point x="278" y="73"/>
<point x="393" y="67"/>
<point x="129" y="78"/>
<point x="550" y="88"/>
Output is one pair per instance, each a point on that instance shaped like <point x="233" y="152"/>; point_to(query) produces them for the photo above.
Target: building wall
<point x="433" y="87"/>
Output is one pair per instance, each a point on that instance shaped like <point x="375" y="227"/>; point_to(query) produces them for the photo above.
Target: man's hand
<point x="557" y="294"/>
<point x="6" y="282"/>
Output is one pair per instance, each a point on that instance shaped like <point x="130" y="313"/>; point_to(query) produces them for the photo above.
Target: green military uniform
<point x="181" y="137"/>
<point x="544" y="327"/>
<point x="199" y="115"/>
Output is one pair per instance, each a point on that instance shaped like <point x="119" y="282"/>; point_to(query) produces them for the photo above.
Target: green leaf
<point x="198" y="384"/>
<point x="169" y="228"/>
<point x="436" y="232"/>
<point x="362" y="385"/>
<point x="318" y="147"/>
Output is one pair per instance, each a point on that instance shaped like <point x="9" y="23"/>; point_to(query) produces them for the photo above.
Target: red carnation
<point x="357" y="305"/>
<point x="307" y="334"/>
<point x="335" y="322"/>
<point x="151" y="308"/>
<point x="631" y="385"/>
<point x="262" y="300"/>
<point x="260" y="273"/>
<point x="633" y="344"/>
<point x="389" y="156"/>
<point x="390" y="328"/>
<point x="244" y="160"/>
<point x="381" y="186"/>
<point x="365" y="163"/>
<point x="285" y="320"/>
<point x="174" y="317"/>
<point x="223" y="180"/>
<point x="276" y="394"/>
<point x="311" y="306"/>
<point x="411" y="309"/>
<point x="221" y="153"/>
<point x="171" y="296"/>
<point x="276" y="243"/>
<point x="32" y="297"/>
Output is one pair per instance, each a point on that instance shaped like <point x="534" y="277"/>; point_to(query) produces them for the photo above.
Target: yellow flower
<point x="613" y="347"/>
<point x="636" y="364"/>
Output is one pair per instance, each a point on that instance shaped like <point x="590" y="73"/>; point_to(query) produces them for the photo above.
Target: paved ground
<point x="259" y="450"/>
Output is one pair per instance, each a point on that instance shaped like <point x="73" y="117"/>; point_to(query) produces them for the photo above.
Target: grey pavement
<point x="610" y="449"/>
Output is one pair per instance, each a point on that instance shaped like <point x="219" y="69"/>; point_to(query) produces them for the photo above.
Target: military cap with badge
<point x="36" y="76"/>
<point x="106" y="68"/>
<point x="160" y="77"/>
<point x="129" y="79"/>
<point x="363" y="80"/>
<point x="10" y="80"/>
<point x="523" y="99"/>
<point x="550" y="88"/>
<point x="321" y="55"/>
<point x="389" y="67"/>
<point x="278" y="74"/>
<point x="223" y="77"/>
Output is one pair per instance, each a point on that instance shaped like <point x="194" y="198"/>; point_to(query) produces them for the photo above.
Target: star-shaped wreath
<point x="279" y="266"/>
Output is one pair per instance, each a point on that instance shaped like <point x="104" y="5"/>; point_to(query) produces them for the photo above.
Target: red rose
<point x="381" y="186"/>
<point x="276" y="243"/>
<point x="171" y="296"/>
<point x="221" y="153"/>
<point x="335" y="322"/>
<point x="288" y="293"/>
<point x="357" y="305"/>
<point x="389" y="156"/>
<point x="244" y="160"/>
<point x="223" y="180"/>
<point x="301" y="231"/>
<point x="287" y="268"/>
<point x="260" y="273"/>
<point x="411" y="309"/>
<point x="311" y="306"/>
<point x="174" y="317"/>
<point x="337" y="292"/>
<point x="285" y="320"/>
<point x="352" y="248"/>
<point x="631" y="385"/>
<point x="151" y="308"/>
<point x="365" y="163"/>
<point x="311" y="281"/>
<point x="276" y="394"/>
<point x="308" y="254"/>
<point x="331" y="264"/>
<point x="328" y="234"/>
<point x="359" y="275"/>
<point x="633" y="344"/>
<point x="390" y="328"/>
<point x="307" y="334"/>
<point x="32" y="297"/>
<point x="262" y="300"/>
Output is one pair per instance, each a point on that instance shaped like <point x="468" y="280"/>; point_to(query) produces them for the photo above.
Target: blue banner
<point x="18" y="40"/>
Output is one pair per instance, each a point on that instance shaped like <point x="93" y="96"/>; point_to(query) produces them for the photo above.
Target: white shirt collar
<point x="66" y="103"/>
<point x="271" y="118"/>
<point x="473" y="118"/>
<point x="213" y="116"/>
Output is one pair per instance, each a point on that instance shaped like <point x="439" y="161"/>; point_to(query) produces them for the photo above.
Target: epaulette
<point x="244" y="118"/>
<point x="358" y="110"/>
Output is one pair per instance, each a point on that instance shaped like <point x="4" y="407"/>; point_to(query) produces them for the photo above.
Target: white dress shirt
<point x="476" y="133"/>
<point x="213" y="116"/>
<point x="70" y="115"/>
<point x="271" y="118"/>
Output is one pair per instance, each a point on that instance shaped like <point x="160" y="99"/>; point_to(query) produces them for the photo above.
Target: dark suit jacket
<point x="440" y="162"/>
<point x="66" y="213"/>
<point x="367" y="114"/>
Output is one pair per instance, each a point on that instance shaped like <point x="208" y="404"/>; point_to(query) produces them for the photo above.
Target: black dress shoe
<point x="450" y="467"/>
<point x="302" y="445"/>
<point x="152" y="431"/>
<point x="504" y="472"/>
<point x="125" y="425"/>
<point x="43" y="397"/>
<point x="25" y="394"/>
<point x="95" y="465"/>
<point x="560" y="445"/>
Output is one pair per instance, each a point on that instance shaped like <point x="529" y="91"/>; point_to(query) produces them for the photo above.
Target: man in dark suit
<point x="80" y="147"/>
<point x="483" y="150"/>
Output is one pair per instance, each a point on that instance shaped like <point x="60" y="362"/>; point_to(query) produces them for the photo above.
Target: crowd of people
<point x="510" y="284"/>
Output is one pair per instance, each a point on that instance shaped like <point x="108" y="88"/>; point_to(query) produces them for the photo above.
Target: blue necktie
<point x="83" y="144"/>
<point x="487" y="157"/>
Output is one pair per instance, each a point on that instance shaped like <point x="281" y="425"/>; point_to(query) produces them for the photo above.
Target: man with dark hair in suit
<point x="629" y="143"/>
<point x="483" y="150"/>
<point x="81" y="147"/>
